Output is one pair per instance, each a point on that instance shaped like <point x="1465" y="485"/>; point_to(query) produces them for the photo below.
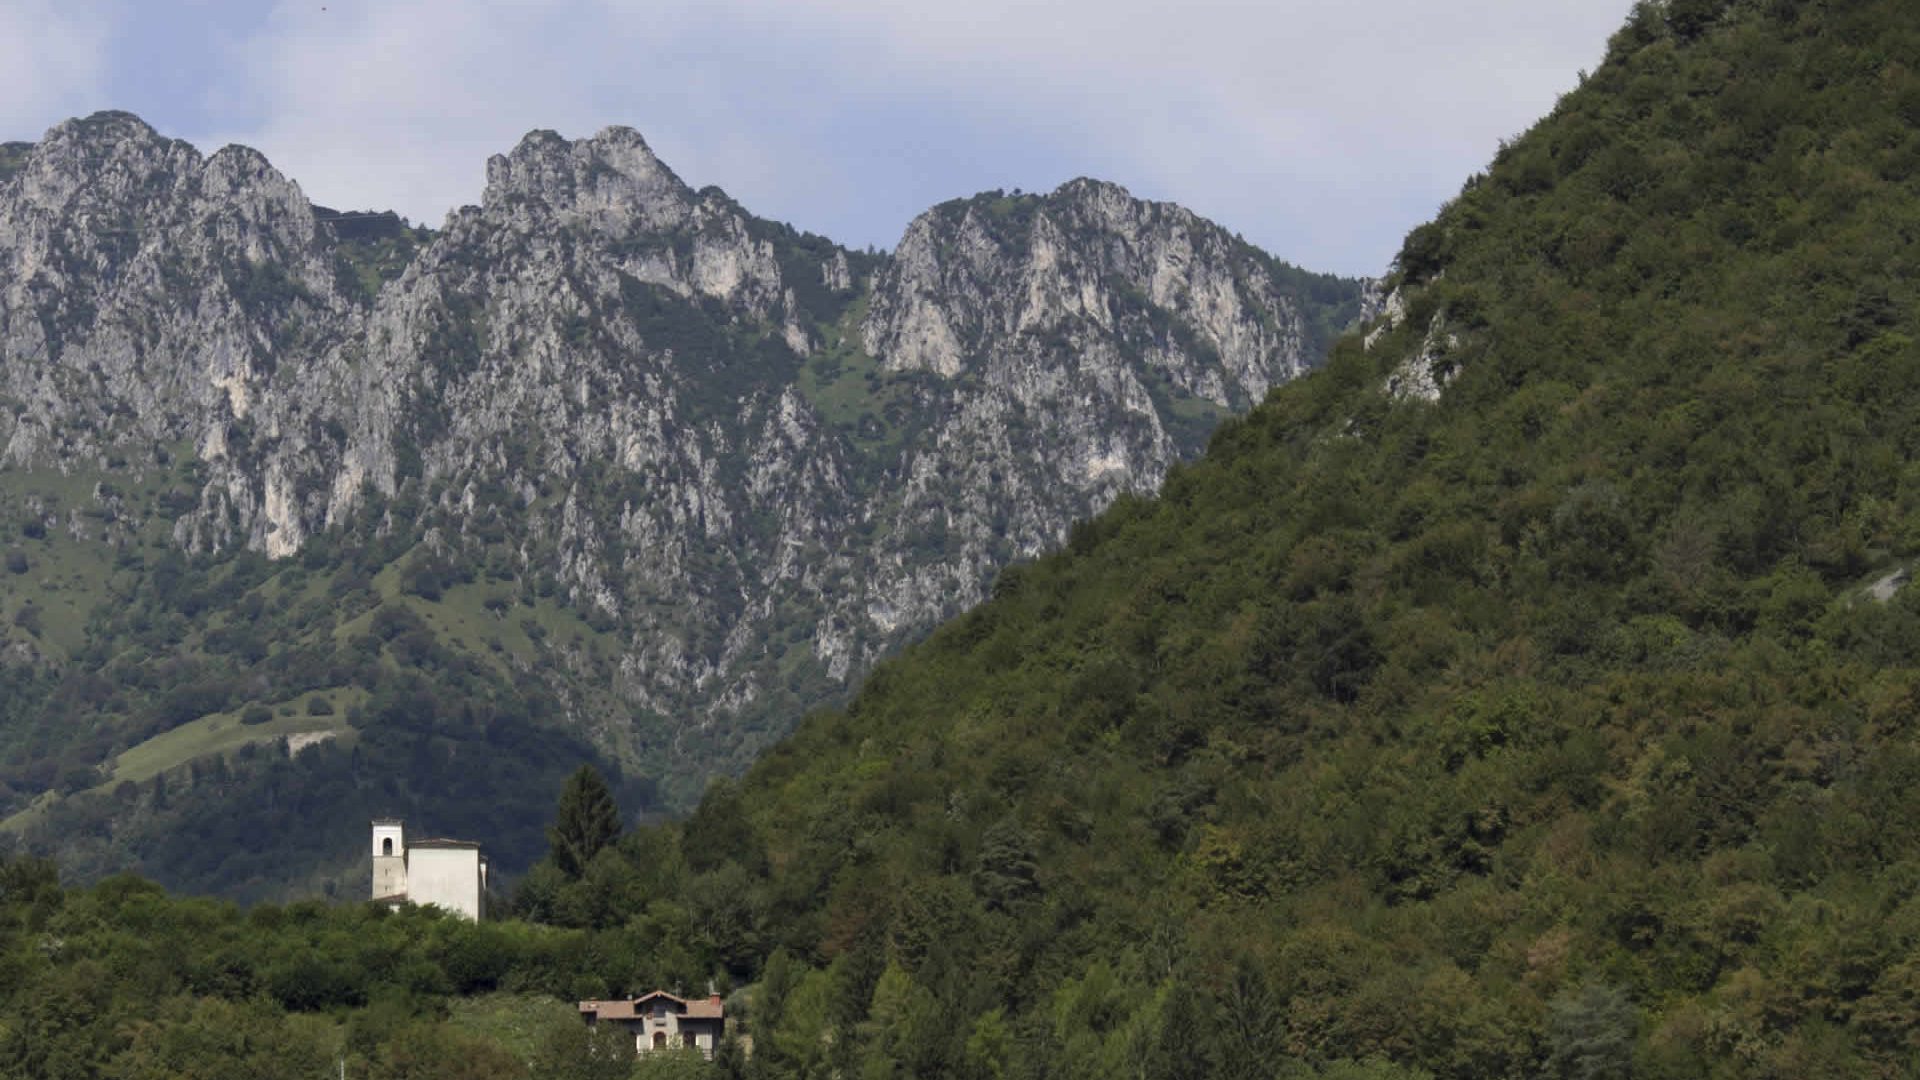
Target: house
<point x="659" y="1020"/>
<point x="451" y="874"/>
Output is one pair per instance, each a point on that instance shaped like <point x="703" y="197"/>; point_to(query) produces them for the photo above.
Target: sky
<point x="1321" y="131"/>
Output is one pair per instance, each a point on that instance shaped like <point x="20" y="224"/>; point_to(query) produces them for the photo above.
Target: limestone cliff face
<point x="757" y="460"/>
<point x="607" y="360"/>
<point x="153" y="299"/>
<point x="975" y="284"/>
<point x="1083" y="342"/>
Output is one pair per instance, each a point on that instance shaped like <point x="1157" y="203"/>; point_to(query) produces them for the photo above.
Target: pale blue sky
<point x="1322" y="131"/>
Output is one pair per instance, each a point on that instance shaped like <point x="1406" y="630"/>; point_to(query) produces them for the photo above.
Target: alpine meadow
<point x="1530" y="689"/>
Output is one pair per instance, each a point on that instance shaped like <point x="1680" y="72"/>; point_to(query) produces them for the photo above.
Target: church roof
<point x="441" y="842"/>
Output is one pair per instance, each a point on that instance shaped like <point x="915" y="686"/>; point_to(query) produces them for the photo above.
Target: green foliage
<point x="371" y="248"/>
<point x="1006" y="871"/>
<point x="675" y="1064"/>
<point x="13" y="156"/>
<point x="587" y="821"/>
<point x="1590" y="1034"/>
<point x="1252" y="1027"/>
<point x="570" y="1050"/>
<point x="160" y="664"/>
<point x="120" y="981"/>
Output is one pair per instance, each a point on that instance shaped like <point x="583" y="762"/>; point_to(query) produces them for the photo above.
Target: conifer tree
<point x="1185" y="1046"/>
<point x="1007" y="868"/>
<point x="587" y="821"/>
<point x="1252" y="1037"/>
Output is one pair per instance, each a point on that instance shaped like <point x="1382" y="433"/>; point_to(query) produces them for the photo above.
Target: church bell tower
<point x="389" y="858"/>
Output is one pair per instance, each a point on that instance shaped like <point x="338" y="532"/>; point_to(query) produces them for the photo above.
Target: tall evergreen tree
<point x="1253" y="1035"/>
<point x="1007" y="868"/>
<point x="1184" y="1049"/>
<point x="587" y="821"/>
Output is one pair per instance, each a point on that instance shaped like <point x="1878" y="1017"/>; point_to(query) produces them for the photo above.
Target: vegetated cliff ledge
<point x="722" y="464"/>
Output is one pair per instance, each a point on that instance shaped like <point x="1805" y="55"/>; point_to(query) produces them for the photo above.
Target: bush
<point x="255" y="715"/>
<point x="319" y="706"/>
<point x="16" y="562"/>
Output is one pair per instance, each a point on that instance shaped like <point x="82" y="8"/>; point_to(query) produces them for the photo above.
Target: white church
<point x="450" y="874"/>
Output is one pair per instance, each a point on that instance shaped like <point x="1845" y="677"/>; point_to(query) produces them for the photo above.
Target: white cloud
<point x="390" y="104"/>
<point x="1323" y="131"/>
<point x="52" y="62"/>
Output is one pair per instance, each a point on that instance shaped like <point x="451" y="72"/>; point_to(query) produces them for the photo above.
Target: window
<point x="386" y="846"/>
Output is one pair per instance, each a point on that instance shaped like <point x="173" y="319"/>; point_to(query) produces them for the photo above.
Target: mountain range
<point x="603" y="458"/>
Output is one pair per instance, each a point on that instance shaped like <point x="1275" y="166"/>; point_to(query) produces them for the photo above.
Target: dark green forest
<point x="1563" y="726"/>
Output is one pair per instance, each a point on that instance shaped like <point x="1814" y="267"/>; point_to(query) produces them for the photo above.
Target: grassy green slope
<point x="151" y="700"/>
<point x="1548" y="720"/>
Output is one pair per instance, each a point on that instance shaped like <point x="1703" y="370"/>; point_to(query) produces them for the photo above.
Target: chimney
<point x="713" y="998"/>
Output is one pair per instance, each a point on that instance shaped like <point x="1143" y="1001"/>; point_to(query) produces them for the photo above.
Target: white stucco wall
<point x="697" y="1033"/>
<point x="449" y="877"/>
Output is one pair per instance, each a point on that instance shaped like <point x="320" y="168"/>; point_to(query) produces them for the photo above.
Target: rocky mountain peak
<point x="1073" y="268"/>
<point x="111" y="130"/>
<point x="613" y="178"/>
<point x="109" y="159"/>
<point x="110" y="176"/>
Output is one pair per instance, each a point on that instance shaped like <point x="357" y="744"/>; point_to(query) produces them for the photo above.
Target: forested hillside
<point x="1529" y="692"/>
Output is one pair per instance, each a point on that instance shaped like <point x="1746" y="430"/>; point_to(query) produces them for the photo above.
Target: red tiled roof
<point x="635" y="1008"/>
<point x="610" y="1010"/>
